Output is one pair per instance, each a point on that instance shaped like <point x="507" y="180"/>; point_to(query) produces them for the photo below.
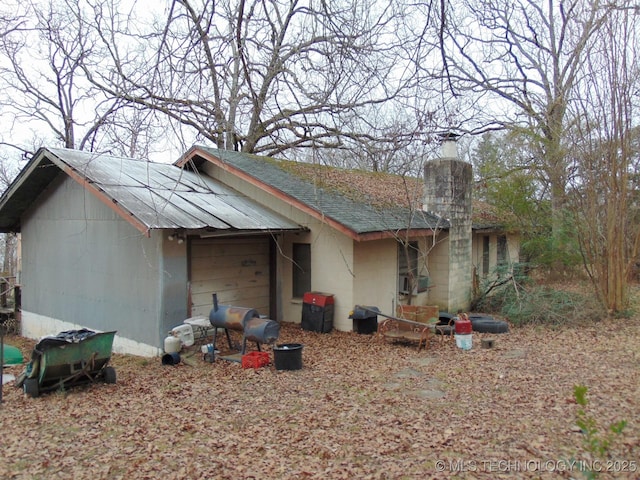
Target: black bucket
<point x="171" y="358"/>
<point x="288" y="356"/>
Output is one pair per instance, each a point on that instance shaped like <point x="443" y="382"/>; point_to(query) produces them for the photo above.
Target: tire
<point x="31" y="387"/>
<point x="479" y="316"/>
<point x="489" y="325"/>
<point x="109" y="374"/>
<point x="444" y="318"/>
<point x="444" y="329"/>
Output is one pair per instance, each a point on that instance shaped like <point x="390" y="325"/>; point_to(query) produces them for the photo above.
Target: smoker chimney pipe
<point x="215" y="302"/>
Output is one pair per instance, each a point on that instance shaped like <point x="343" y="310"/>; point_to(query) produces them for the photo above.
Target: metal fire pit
<point x="246" y="320"/>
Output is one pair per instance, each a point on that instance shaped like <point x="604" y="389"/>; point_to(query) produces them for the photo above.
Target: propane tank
<point x="172" y="344"/>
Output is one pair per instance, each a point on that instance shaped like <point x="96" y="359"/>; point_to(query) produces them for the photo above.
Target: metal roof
<point x="149" y="195"/>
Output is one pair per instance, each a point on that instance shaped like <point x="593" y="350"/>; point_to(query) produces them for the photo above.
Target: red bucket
<point x="463" y="324"/>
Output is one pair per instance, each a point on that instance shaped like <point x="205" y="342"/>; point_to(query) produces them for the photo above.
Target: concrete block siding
<point x="448" y="193"/>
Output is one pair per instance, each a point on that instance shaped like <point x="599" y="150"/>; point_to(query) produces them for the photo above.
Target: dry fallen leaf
<point x="359" y="408"/>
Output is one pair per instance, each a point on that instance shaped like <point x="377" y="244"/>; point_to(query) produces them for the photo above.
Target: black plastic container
<point x="287" y="356"/>
<point x="365" y="319"/>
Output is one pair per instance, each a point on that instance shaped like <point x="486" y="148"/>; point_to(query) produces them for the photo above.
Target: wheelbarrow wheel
<point x="109" y="374"/>
<point x="31" y="387"/>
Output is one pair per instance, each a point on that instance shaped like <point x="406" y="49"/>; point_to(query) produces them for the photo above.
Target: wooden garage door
<point x="237" y="269"/>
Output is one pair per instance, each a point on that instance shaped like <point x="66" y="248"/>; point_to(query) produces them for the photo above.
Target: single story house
<point x="111" y="243"/>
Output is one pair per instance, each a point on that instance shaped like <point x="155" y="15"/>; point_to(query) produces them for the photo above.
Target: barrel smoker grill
<point x="245" y="320"/>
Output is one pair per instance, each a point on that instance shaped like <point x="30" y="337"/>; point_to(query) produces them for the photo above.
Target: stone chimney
<point x="447" y="193"/>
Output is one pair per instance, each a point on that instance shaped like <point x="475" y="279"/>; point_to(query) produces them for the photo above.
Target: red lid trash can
<point x="317" y="312"/>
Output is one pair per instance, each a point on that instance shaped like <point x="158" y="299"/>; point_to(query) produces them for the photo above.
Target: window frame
<point x="300" y="269"/>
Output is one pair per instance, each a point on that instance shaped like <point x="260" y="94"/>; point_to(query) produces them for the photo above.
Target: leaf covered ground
<point x="359" y="408"/>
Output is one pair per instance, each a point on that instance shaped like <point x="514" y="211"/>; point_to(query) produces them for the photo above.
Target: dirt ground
<point x="359" y="408"/>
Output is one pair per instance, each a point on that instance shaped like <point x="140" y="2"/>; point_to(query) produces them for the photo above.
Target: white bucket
<point x="185" y="333"/>
<point x="172" y="344"/>
<point x="464" y="341"/>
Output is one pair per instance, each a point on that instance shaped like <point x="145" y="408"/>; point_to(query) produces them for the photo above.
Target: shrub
<point x="596" y="441"/>
<point x="514" y="295"/>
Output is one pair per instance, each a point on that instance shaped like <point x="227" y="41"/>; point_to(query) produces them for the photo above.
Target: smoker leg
<point x="215" y="336"/>
<point x="226" y="330"/>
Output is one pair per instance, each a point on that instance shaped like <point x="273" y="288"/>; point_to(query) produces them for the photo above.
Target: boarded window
<point x="301" y="269"/>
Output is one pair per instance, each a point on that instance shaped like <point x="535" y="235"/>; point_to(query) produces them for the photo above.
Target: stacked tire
<point x="479" y="323"/>
<point x="487" y="324"/>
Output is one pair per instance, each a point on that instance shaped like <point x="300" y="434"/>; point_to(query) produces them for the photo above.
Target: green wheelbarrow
<point x="71" y="358"/>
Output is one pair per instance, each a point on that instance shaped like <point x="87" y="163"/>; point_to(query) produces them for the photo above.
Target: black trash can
<point x="287" y="356"/>
<point x="317" y="312"/>
<point x="365" y="319"/>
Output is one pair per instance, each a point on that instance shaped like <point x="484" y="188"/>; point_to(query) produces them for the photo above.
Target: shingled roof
<point x="363" y="202"/>
<point x="384" y="190"/>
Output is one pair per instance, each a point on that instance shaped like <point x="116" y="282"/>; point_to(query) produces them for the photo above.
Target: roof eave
<point x="397" y="234"/>
<point x="17" y="198"/>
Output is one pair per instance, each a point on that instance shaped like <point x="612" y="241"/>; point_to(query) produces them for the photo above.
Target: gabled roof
<point x="146" y="194"/>
<point x="356" y="215"/>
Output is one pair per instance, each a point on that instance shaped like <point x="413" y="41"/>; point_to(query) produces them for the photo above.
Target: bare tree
<point x="289" y="77"/>
<point x="606" y="151"/>
<point x="46" y="53"/>
<point x="262" y="77"/>
<point x="516" y="65"/>
<point x="8" y="241"/>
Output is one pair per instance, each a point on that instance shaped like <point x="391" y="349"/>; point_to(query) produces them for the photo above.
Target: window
<point x="485" y="254"/>
<point x="408" y="269"/>
<point x="301" y="275"/>
<point x="502" y="249"/>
